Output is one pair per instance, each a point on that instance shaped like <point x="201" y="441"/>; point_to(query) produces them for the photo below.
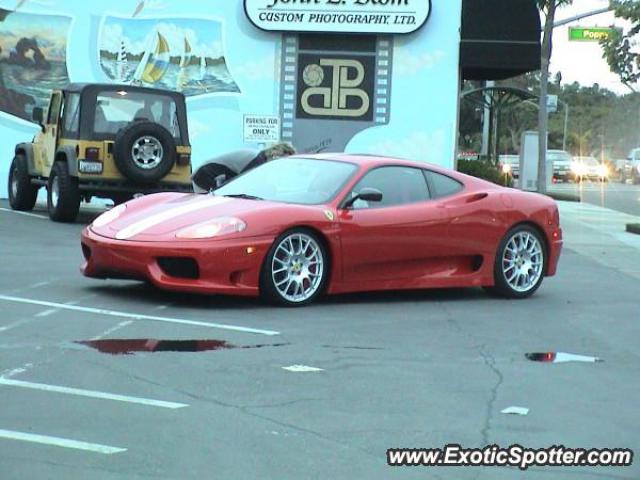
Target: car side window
<point x="399" y="186"/>
<point x="71" y="114"/>
<point x="54" y="109"/>
<point x="443" y="185"/>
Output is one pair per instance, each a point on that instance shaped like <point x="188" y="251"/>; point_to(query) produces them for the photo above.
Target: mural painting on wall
<point x="33" y="52"/>
<point x="333" y="88"/>
<point x="183" y="54"/>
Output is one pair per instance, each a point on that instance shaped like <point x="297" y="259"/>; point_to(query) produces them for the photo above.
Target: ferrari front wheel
<point x="295" y="269"/>
<point x="521" y="261"/>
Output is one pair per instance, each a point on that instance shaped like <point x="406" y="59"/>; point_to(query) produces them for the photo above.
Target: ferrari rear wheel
<point x="521" y="261"/>
<point x="295" y="269"/>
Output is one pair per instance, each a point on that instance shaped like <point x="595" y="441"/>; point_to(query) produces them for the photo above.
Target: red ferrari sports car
<point x="300" y="226"/>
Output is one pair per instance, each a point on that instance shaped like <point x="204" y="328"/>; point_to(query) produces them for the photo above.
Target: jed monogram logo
<point x="333" y="87"/>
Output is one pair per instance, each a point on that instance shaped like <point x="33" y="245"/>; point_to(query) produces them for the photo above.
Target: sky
<point x="582" y="61"/>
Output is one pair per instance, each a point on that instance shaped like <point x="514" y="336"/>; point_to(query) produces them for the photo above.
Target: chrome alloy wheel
<point x="522" y="261"/>
<point x="14" y="181"/>
<point x="297" y="267"/>
<point x="147" y="152"/>
<point x="55" y="191"/>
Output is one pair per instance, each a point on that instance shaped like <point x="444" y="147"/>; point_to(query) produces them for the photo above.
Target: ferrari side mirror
<point x="367" y="194"/>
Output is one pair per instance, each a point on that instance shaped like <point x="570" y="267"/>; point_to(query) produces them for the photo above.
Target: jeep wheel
<point x="22" y="194"/>
<point x="144" y="152"/>
<point x="63" y="195"/>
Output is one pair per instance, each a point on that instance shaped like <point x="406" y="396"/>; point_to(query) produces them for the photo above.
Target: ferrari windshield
<point x="292" y="180"/>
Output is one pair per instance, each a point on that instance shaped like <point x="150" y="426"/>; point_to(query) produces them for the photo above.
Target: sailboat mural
<point x="154" y="63"/>
<point x="182" y="54"/>
<point x="183" y="76"/>
<point x="186" y="56"/>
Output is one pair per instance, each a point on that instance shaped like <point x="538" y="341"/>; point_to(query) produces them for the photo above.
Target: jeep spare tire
<point x="144" y="152"/>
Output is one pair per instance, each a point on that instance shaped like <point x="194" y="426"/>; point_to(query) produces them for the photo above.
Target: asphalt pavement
<point x="622" y="197"/>
<point x="410" y="369"/>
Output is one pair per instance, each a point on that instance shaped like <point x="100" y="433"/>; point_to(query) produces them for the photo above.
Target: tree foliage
<point x="599" y="120"/>
<point x="622" y="52"/>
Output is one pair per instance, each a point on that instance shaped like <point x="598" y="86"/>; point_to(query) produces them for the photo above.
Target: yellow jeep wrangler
<point x="109" y="141"/>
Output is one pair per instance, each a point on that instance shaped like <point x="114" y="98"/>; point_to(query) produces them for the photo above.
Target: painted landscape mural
<point x="182" y="54"/>
<point x="33" y="51"/>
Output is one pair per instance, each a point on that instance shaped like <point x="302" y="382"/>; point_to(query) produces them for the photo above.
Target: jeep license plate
<point x="90" y="167"/>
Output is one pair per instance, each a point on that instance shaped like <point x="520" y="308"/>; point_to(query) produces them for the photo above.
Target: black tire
<point x="63" y="207"/>
<point x="268" y="289"/>
<point x="130" y="157"/>
<point x="22" y="194"/>
<point x="502" y="287"/>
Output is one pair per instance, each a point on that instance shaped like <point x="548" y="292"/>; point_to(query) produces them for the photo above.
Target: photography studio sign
<point x="340" y="16"/>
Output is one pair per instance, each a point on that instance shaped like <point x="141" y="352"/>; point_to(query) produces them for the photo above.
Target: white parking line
<point x="22" y="213"/>
<point x="135" y="316"/>
<point x="46" y="313"/>
<point x="17" y="323"/>
<point x="60" y="442"/>
<point x="16" y="371"/>
<point x="90" y="393"/>
<point x="115" y="328"/>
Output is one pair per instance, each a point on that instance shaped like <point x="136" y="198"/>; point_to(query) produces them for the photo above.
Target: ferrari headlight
<point x="110" y="216"/>
<point x="212" y="228"/>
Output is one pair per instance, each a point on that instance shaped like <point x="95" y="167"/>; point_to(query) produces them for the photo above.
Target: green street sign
<point x="592" y="34"/>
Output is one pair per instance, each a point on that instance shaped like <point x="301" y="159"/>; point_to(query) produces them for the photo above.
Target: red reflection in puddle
<point x="128" y="346"/>
<point x="541" y="357"/>
<point x="561" y="357"/>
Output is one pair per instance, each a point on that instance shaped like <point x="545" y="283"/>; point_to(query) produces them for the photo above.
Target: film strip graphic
<point x="384" y="65"/>
<point x="288" y="76"/>
<point x="363" y="63"/>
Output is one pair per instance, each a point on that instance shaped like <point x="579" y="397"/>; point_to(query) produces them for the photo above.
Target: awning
<point x="500" y="39"/>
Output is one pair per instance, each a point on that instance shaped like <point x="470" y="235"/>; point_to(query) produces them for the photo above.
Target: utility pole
<point x="486" y="123"/>
<point x="543" y="118"/>
<point x="566" y="124"/>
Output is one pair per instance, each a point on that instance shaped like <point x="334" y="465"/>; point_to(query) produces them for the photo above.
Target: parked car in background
<point x="110" y="141"/>
<point x="589" y="168"/>
<point x="510" y="164"/>
<point x="634" y="161"/>
<point x="561" y="165"/>
<point x="623" y="169"/>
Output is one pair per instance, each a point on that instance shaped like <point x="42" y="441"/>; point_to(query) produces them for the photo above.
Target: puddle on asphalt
<point x="129" y="346"/>
<point x="560" y="357"/>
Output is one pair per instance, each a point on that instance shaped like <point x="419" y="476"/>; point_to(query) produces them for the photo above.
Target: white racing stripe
<point x="149" y="222"/>
<point x="90" y="393"/>
<point x="136" y="316"/>
<point x="60" y="442"/>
